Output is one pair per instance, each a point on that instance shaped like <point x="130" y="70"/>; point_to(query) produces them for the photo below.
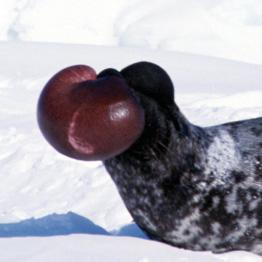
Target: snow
<point x="53" y="208"/>
<point x="58" y="209"/>
<point x="225" y="28"/>
<point x="111" y="249"/>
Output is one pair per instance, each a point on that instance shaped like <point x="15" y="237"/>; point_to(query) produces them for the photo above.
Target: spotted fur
<point x="192" y="187"/>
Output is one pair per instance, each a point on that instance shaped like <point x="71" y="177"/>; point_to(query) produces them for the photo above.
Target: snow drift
<point x="225" y="28"/>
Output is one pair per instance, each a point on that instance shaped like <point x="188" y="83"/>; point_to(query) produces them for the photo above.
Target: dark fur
<point x="192" y="187"/>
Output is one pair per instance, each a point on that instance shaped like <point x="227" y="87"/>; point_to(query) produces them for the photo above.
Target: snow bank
<point x="226" y="28"/>
<point x="103" y="248"/>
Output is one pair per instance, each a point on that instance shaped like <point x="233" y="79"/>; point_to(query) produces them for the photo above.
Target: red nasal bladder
<point x="89" y="118"/>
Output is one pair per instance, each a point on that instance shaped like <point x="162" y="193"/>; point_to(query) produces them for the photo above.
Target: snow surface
<point x="83" y="248"/>
<point x="224" y="28"/>
<point x="53" y="208"/>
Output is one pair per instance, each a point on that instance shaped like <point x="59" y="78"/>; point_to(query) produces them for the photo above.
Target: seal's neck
<point x="159" y="170"/>
<point x="167" y="139"/>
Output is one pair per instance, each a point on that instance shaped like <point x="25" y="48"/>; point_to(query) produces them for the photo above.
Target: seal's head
<point x="89" y="117"/>
<point x="95" y="117"/>
<point x="150" y="80"/>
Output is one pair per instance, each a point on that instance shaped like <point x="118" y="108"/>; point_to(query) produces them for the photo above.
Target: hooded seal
<point x="189" y="186"/>
<point x="193" y="187"/>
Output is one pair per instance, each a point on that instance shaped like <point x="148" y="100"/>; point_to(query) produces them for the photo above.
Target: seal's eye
<point x="151" y="80"/>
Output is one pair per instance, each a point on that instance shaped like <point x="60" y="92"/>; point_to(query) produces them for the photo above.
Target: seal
<point x="192" y="187"/>
<point x="198" y="188"/>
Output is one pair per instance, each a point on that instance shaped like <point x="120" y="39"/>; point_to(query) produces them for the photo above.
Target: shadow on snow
<point x="63" y="224"/>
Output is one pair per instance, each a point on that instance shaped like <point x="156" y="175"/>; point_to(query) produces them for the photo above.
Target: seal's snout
<point x="88" y="117"/>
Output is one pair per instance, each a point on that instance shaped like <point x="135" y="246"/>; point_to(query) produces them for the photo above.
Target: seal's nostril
<point x="109" y="72"/>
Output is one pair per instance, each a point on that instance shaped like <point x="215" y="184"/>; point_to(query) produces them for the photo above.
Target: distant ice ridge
<point x="226" y="28"/>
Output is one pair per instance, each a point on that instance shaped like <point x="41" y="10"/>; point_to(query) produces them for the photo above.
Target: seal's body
<point x="192" y="187"/>
<point x="200" y="190"/>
